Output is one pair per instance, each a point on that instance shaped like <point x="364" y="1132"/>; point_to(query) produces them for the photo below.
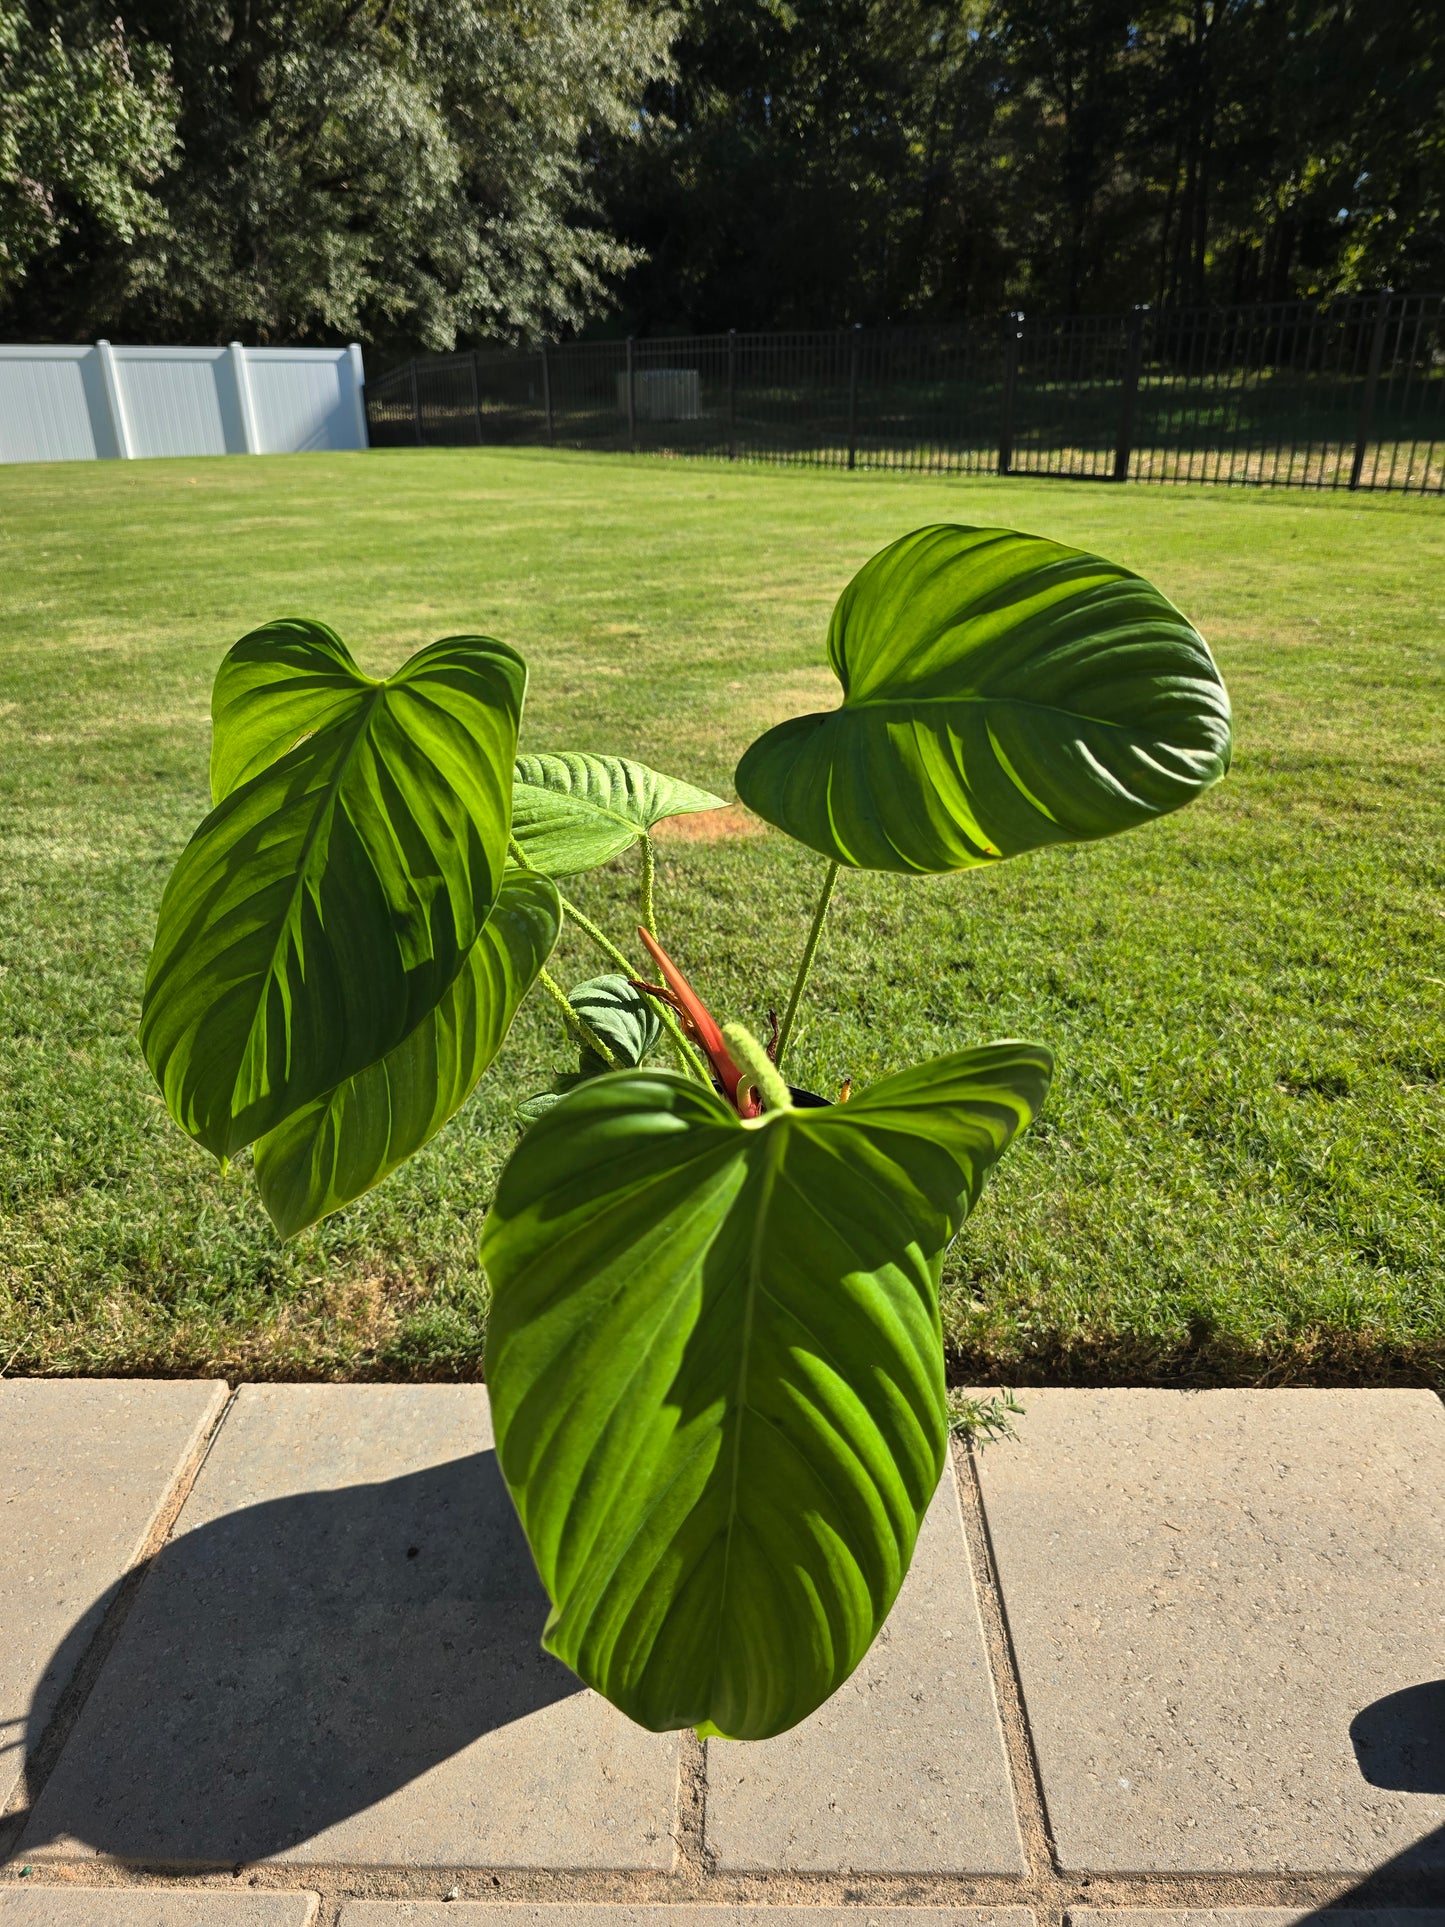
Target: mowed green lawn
<point x="1241" y="1175"/>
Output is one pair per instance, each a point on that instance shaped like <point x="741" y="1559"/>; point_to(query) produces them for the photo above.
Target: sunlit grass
<point x="1241" y="1174"/>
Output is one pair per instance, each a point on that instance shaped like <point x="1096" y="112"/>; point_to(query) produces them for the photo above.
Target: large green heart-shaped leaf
<point x="716" y="1372"/>
<point x="572" y="811"/>
<point x="325" y="905"/>
<point x="1000" y="692"/>
<point x="323" y="1156"/>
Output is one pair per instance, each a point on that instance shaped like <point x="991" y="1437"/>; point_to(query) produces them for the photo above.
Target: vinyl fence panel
<point x="306" y="398"/>
<point x="53" y="406"/>
<point x="62" y="403"/>
<point x="179" y="401"/>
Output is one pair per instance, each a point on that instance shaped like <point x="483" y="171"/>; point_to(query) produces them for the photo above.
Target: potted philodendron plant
<point x="714" y="1352"/>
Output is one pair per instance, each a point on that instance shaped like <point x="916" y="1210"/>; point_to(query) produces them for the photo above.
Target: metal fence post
<point x="415" y="402"/>
<point x="547" y="393"/>
<point x="1013" y="335"/>
<point x="476" y="397"/>
<point x="853" y="395"/>
<point x="732" y="394"/>
<point x="1372" y="382"/>
<point x="1128" y="393"/>
<point x="631" y="404"/>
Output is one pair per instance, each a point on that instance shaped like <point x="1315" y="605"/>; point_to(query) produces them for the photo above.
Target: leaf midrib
<point x="583" y="804"/>
<point x="772" y="1136"/>
<point x="321" y="815"/>
<point x="1013" y="702"/>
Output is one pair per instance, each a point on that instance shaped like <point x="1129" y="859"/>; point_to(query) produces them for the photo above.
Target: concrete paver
<point x="86" y="1466"/>
<point x="1230" y="1626"/>
<point x="151" y="1907"/>
<point x="463" y="1913"/>
<point x="1254" y="1917"/>
<point x="904" y="1770"/>
<point x="337" y="1661"/>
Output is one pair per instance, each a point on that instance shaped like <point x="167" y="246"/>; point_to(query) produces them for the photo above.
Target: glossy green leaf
<point x="625" y="1021"/>
<point x="716" y="1372"/>
<point x="1000" y="693"/>
<point x="276" y="685"/>
<point x="540" y="1102"/>
<point x="572" y="811"/>
<point x="325" y="905"/>
<point x="622" y="1017"/>
<point x="325" y="1155"/>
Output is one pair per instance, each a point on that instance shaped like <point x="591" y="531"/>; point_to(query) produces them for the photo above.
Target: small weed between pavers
<point x="982" y="1418"/>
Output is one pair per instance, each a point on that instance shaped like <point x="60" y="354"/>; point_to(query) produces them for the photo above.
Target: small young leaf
<point x="531" y="1108"/>
<point x="716" y="1369"/>
<point x="325" y="906"/>
<point x="572" y="811"/>
<point x="324" y="1156"/>
<point x="622" y="1017"/>
<point x="1000" y="693"/>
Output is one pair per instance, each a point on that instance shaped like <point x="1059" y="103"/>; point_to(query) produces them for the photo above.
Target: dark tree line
<point x="423" y="172"/>
<point x="818" y="161"/>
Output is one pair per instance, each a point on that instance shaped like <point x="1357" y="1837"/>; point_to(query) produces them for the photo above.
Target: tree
<point x="398" y="170"/>
<point x="821" y="161"/>
<point x="87" y="126"/>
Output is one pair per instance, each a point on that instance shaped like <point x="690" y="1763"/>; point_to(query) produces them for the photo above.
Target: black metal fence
<point x="1349" y="394"/>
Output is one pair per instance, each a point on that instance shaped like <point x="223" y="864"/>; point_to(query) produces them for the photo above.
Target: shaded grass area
<point x="1240" y="1178"/>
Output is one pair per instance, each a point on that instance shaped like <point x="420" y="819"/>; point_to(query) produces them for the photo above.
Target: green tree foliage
<point x="87" y="124"/>
<point x="393" y="169"/>
<point x="820" y="161"/>
<point x="419" y="172"/>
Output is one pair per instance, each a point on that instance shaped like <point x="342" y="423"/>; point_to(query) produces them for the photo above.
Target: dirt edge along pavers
<point x="89" y="1471"/>
<point x="152" y="1907"/>
<point x="904" y="1769"/>
<point x="434" y="1913"/>
<point x="1229" y="1624"/>
<point x="336" y="1660"/>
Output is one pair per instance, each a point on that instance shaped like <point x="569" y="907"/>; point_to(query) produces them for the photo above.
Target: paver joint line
<point x="1028" y="1792"/>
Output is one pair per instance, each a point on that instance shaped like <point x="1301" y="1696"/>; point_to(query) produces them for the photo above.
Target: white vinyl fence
<point x="63" y="404"/>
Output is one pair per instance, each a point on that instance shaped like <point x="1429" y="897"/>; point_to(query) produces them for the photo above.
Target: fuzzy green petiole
<point x="649" y="878"/>
<point x="805" y="966"/>
<point x="577" y="1023"/>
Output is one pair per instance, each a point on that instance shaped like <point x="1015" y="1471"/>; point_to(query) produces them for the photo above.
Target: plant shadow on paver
<point x="1399" y="1741"/>
<point x="1399" y="1744"/>
<point x="291" y="1663"/>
